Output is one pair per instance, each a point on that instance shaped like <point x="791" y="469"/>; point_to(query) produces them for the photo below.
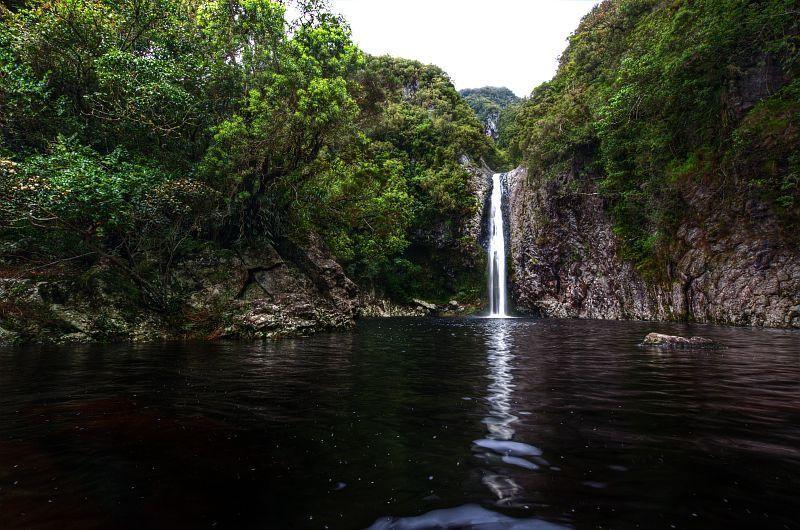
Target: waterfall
<point x="497" y="252"/>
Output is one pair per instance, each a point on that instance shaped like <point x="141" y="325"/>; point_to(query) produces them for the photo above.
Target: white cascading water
<point x="497" y="252"/>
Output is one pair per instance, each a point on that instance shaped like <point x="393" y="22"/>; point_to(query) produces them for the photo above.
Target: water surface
<point x="407" y="423"/>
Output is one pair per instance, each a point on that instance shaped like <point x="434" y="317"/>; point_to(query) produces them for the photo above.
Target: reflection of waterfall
<point x="497" y="251"/>
<point x="498" y="448"/>
<point x="504" y="458"/>
<point x="500" y="419"/>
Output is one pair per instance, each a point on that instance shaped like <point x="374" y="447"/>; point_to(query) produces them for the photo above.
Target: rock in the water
<point x="675" y="342"/>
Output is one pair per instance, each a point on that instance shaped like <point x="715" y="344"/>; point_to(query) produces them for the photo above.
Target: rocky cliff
<point x="663" y="174"/>
<point x="727" y="266"/>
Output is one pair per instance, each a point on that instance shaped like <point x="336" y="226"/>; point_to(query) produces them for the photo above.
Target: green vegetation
<point x="653" y="99"/>
<point x="497" y="108"/>
<point x="488" y="101"/>
<point x="135" y="133"/>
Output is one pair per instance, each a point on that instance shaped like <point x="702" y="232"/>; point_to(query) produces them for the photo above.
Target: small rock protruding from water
<point x="674" y="342"/>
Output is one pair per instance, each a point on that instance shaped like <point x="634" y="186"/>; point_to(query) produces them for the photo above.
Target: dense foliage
<point x="497" y="108"/>
<point x="392" y="207"/>
<point x="488" y="101"/>
<point x="654" y="98"/>
<point x="135" y="132"/>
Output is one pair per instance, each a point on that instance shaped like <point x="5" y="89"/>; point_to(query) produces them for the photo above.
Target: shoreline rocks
<point x="268" y="292"/>
<point x="373" y="306"/>
<point x="8" y="337"/>
<point x="430" y="308"/>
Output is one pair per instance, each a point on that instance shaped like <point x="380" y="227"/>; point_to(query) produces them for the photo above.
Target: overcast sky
<point x="513" y="43"/>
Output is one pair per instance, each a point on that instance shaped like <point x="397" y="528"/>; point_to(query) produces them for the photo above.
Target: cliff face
<point x="480" y="184"/>
<point x="663" y="175"/>
<point x="728" y="265"/>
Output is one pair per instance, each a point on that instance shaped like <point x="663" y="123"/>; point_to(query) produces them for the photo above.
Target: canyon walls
<point x="660" y="170"/>
<point x="725" y="267"/>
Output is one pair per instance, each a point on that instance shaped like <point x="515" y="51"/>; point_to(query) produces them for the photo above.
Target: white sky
<point x="513" y="43"/>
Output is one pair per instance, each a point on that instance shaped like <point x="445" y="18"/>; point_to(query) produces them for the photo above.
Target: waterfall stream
<point x="497" y="252"/>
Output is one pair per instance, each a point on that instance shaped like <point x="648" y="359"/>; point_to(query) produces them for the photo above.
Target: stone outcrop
<point x="374" y="306"/>
<point x="729" y="265"/>
<point x="261" y="293"/>
<point x="8" y="337"/>
<point x="429" y="307"/>
<point x="492" y="125"/>
<point x="479" y="184"/>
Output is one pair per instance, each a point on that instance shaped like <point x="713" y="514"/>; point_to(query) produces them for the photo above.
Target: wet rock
<point x="428" y="306"/>
<point x="725" y="267"/>
<point x="255" y="293"/>
<point x="674" y="342"/>
<point x="455" y="307"/>
<point x="74" y="338"/>
<point x="372" y="305"/>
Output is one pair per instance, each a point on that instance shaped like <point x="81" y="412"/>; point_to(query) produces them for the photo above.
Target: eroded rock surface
<point x="262" y="293"/>
<point x="480" y="184"/>
<point x="726" y="268"/>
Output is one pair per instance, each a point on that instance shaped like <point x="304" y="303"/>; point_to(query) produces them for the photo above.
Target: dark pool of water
<point x="408" y="423"/>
